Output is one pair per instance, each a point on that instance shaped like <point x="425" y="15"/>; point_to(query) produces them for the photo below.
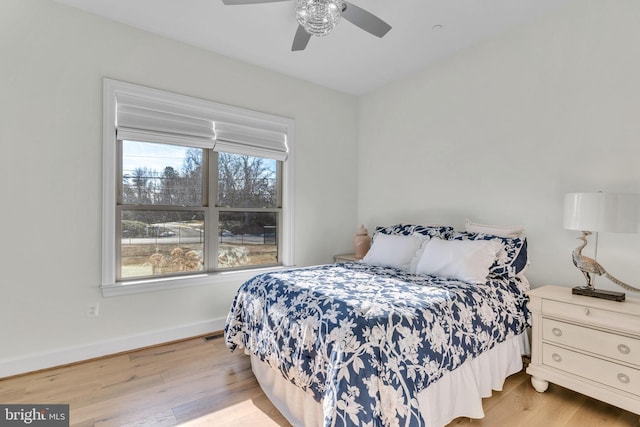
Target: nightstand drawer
<point x="602" y="343"/>
<point x="592" y="316"/>
<point x="592" y="368"/>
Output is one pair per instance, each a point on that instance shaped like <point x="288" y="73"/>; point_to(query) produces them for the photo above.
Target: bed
<point x="395" y="340"/>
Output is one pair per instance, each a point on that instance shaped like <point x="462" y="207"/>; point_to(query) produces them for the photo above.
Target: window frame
<point x="110" y="286"/>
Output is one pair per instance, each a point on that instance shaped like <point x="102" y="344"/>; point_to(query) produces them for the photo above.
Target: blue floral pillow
<point x="411" y="229"/>
<point x="511" y="260"/>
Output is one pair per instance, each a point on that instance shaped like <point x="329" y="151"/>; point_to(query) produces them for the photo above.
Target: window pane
<point x="246" y="182"/>
<point x="156" y="243"/>
<point x="161" y="174"/>
<point x="247" y="239"/>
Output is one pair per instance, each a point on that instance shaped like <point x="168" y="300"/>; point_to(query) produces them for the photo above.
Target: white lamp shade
<point x="608" y="212"/>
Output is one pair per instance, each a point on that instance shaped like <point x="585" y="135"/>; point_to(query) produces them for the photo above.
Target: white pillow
<point x="390" y="250"/>
<point x="466" y="260"/>
<point x="496" y="230"/>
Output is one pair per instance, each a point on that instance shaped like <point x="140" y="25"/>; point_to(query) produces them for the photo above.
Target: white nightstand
<point x="345" y="258"/>
<point x="588" y="345"/>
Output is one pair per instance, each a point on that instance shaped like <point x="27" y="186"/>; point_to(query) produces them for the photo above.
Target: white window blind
<point x="149" y="120"/>
<point x="142" y="119"/>
<point x="256" y="141"/>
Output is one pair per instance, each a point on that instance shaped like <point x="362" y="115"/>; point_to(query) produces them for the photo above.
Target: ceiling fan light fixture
<point x="318" y="17"/>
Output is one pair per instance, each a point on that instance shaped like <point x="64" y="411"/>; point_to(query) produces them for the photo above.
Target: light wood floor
<point x="197" y="382"/>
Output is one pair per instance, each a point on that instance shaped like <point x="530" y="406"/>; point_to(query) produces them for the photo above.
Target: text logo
<point x="34" y="415"/>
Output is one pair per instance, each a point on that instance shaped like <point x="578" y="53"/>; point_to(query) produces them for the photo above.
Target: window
<point x="161" y="210"/>
<point x="191" y="189"/>
<point x="247" y="210"/>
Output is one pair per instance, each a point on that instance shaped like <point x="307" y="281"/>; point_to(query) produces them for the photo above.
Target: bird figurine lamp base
<point x="598" y="293"/>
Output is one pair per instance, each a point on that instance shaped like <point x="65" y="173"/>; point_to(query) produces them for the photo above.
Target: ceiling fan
<point x="319" y="17"/>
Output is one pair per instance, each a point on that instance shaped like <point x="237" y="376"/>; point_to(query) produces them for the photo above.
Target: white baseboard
<point x="64" y="356"/>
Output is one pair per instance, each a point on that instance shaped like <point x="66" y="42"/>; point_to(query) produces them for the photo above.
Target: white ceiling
<point x="349" y="59"/>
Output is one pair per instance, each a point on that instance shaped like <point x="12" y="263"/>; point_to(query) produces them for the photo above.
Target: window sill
<point x="162" y="284"/>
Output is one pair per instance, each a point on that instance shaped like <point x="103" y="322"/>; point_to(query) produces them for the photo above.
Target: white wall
<point x="53" y="60"/>
<point x="500" y="132"/>
<point x="497" y="133"/>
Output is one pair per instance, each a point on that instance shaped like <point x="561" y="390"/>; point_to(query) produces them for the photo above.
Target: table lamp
<point x="599" y="212"/>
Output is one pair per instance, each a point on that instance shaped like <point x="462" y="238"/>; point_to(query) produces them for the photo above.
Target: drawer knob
<point x="624" y="379"/>
<point x="586" y="311"/>
<point x="558" y="332"/>
<point x="557" y="358"/>
<point x="624" y="349"/>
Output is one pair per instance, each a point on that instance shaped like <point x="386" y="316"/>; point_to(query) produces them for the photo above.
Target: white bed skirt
<point x="456" y="394"/>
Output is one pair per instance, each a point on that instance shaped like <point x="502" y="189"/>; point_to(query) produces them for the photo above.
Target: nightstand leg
<point x="540" y="385"/>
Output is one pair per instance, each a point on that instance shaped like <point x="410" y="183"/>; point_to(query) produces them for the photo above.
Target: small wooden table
<point x="345" y="258"/>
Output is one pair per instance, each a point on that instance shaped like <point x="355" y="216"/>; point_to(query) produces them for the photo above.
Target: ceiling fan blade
<point x="301" y="39"/>
<point x="234" y="2"/>
<point x="365" y="20"/>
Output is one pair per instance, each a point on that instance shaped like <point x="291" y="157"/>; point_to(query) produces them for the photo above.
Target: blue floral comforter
<point x="364" y="340"/>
